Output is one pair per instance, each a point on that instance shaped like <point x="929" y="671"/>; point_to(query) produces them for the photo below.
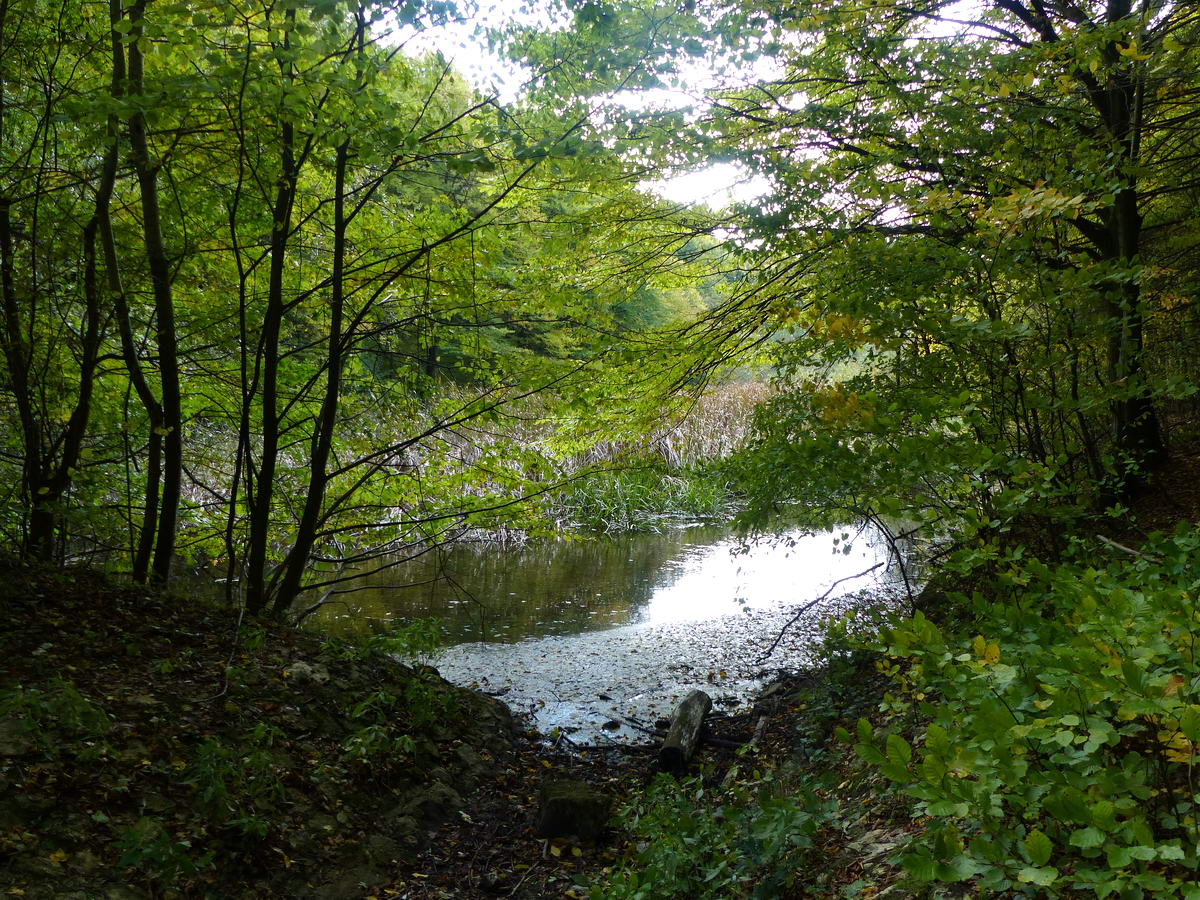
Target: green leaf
<point x="1039" y="847"/>
<point x="1133" y="675"/>
<point x="866" y="733"/>
<point x="1044" y="876"/>
<point x="1085" y="838"/>
<point x="898" y="750"/>
<point x="1119" y="857"/>
<point x="1189" y="723"/>
<point x="1069" y="805"/>
<point x="960" y="868"/>
<point x="920" y="866"/>
<point x="936" y="739"/>
<point x="870" y="754"/>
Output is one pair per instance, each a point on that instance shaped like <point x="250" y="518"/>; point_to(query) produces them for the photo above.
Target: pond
<point x="590" y="636"/>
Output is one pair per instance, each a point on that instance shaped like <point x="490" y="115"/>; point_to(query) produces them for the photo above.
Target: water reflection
<point x="571" y="587"/>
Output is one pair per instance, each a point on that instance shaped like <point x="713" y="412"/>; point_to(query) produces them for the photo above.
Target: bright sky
<point x="716" y="186"/>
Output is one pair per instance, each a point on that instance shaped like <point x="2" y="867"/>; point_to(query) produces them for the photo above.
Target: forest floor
<point x="150" y="746"/>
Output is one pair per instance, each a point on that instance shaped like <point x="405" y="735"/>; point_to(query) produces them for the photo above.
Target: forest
<point x="292" y="292"/>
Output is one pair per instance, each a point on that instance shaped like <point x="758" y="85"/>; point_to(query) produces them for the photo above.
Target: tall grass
<point x="645" y="499"/>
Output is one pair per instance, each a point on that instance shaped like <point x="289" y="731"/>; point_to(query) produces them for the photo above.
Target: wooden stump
<point x="684" y="734"/>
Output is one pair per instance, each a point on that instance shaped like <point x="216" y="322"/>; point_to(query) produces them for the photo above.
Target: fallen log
<point x="684" y="733"/>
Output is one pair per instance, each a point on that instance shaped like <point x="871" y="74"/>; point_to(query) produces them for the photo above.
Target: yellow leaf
<point x="575" y="851"/>
<point x="991" y="655"/>
<point x="555" y="850"/>
<point x="57" y="856"/>
<point x="1132" y="51"/>
<point x="1006" y="91"/>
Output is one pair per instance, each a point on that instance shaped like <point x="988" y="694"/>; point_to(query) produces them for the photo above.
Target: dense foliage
<point x="271" y="286"/>
<point x="1059" y="742"/>
<point x="278" y="295"/>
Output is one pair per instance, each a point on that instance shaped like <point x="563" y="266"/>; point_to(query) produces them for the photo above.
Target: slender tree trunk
<point x="38" y="537"/>
<point x="1135" y="420"/>
<point x="120" y="302"/>
<point x="281" y="226"/>
<point x="164" y="311"/>
<point x="17" y="358"/>
<point x="297" y="559"/>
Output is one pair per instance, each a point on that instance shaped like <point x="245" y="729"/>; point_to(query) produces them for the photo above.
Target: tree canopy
<point x="270" y="280"/>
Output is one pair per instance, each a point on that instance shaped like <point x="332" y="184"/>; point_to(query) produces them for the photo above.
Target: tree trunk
<point x="171" y="425"/>
<point x="268" y="361"/>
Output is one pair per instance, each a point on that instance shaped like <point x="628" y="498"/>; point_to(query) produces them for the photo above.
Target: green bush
<point x="1061" y="742"/>
<point x="411" y="641"/>
<point x="149" y="846"/>
<point x="238" y="786"/>
<point x="744" y="839"/>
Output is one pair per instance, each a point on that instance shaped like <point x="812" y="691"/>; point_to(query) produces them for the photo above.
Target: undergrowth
<point x="1042" y="743"/>
<point x="1061" y="739"/>
<point x="742" y="838"/>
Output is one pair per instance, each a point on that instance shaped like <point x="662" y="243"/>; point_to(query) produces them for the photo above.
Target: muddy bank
<point x="598" y="687"/>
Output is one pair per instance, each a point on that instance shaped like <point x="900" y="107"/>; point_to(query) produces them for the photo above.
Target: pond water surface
<point x="590" y="636"/>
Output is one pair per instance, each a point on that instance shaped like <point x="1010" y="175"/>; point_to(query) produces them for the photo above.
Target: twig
<point x="796" y="618"/>
<point x="528" y="872"/>
<point x="237" y="636"/>
<point x="325" y="598"/>
<point x="1124" y="549"/>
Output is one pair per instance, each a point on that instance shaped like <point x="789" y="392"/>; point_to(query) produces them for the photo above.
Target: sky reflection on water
<point x="568" y="587"/>
<point x="577" y="634"/>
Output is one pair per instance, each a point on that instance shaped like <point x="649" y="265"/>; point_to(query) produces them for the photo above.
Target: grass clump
<point x="646" y="499"/>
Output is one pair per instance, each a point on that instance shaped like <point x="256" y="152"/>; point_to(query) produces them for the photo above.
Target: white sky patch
<point x="716" y="186"/>
<point x="954" y="19"/>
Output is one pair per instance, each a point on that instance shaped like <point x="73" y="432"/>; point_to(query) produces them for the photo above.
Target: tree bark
<point x="164" y="310"/>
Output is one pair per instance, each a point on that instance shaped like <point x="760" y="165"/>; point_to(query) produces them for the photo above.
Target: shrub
<point x="1061" y="742"/>
<point x="743" y="839"/>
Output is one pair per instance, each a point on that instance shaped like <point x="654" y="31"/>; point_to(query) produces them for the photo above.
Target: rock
<point x="571" y="807"/>
<point x="306" y="673"/>
<point x="770" y="690"/>
<point x="435" y="802"/>
<point x="382" y="850"/>
<point x="407" y="830"/>
<point x="472" y="767"/>
<point x="495" y="883"/>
